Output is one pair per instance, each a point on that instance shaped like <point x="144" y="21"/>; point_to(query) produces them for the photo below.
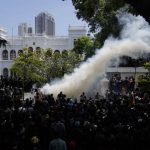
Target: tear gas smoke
<point x="134" y="38"/>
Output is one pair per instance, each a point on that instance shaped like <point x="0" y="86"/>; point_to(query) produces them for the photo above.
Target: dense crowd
<point x="118" y="121"/>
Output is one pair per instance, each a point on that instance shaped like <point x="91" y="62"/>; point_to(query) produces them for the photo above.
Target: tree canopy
<point x="100" y="16"/>
<point x="29" y="66"/>
<point x="42" y="65"/>
<point x="85" y="45"/>
<point x="144" y="80"/>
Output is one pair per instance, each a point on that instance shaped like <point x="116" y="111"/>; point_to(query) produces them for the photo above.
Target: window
<point x="56" y="51"/>
<point x="30" y="50"/>
<point x="74" y="41"/>
<point x="12" y="54"/>
<point x="20" y="52"/>
<point x="38" y="48"/>
<point x="5" y="55"/>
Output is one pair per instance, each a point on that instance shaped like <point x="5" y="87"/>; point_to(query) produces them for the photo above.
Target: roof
<point x="77" y="28"/>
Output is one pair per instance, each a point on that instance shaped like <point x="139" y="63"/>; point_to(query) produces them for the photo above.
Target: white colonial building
<point x="33" y="42"/>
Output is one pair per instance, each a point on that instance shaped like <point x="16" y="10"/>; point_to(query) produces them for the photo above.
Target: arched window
<point x="74" y="41"/>
<point x="64" y="53"/>
<point x="5" y="55"/>
<point x="30" y="50"/>
<point x="56" y="51"/>
<point x="5" y="72"/>
<point x="49" y="52"/>
<point x="38" y="49"/>
<point x="20" y="51"/>
<point x="12" y="54"/>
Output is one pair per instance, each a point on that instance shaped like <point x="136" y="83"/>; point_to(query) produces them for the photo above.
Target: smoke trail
<point x="134" y="38"/>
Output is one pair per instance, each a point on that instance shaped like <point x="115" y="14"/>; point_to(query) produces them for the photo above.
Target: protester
<point x="121" y="120"/>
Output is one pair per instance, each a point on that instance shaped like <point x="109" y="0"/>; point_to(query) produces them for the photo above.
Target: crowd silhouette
<point x="119" y="120"/>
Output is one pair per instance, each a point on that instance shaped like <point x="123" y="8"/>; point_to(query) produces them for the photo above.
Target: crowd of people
<point x="118" y="85"/>
<point x="118" y="121"/>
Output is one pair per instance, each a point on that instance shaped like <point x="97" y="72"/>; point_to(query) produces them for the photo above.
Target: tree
<point x="147" y="66"/>
<point x="72" y="61"/>
<point x="144" y="80"/>
<point x="84" y="45"/>
<point x="29" y="66"/>
<point x="48" y="53"/>
<point x="65" y="61"/>
<point x="58" y="64"/>
<point x="43" y="65"/>
<point x="100" y="16"/>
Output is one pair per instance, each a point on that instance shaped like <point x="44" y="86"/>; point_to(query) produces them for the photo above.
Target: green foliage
<point x="40" y="66"/>
<point x="100" y="16"/>
<point x="147" y="66"/>
<point x="48" y="52"/>
<point x="144" y="80"/>
<point x="84" y="45"/>
<point x="144" y="84"/>
<point x="59" y="64"/>
<point x="97" y="13"/>
<point x="29" y="66"/>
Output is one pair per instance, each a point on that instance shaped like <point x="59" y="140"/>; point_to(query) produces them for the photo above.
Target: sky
<point x="14" y="12"/>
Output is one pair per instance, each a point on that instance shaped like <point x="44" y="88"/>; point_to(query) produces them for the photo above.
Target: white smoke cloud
<point x="134" y="38"/>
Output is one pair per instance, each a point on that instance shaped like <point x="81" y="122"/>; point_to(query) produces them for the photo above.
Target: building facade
<point x="44" y="24"/>
<point x="17" y="43"/>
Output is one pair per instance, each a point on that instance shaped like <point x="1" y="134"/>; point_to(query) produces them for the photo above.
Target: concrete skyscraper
<point x="24" y="29"/>
<point x="44" y="24"/>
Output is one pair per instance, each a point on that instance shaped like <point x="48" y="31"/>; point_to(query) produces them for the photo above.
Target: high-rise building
<point x="30" y="32"/>
<point x="44" y="24"/>
<point x="24" y="29"/>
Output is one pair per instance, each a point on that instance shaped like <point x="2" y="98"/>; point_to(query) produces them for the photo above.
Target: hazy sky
<point x="14" y="12"/>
